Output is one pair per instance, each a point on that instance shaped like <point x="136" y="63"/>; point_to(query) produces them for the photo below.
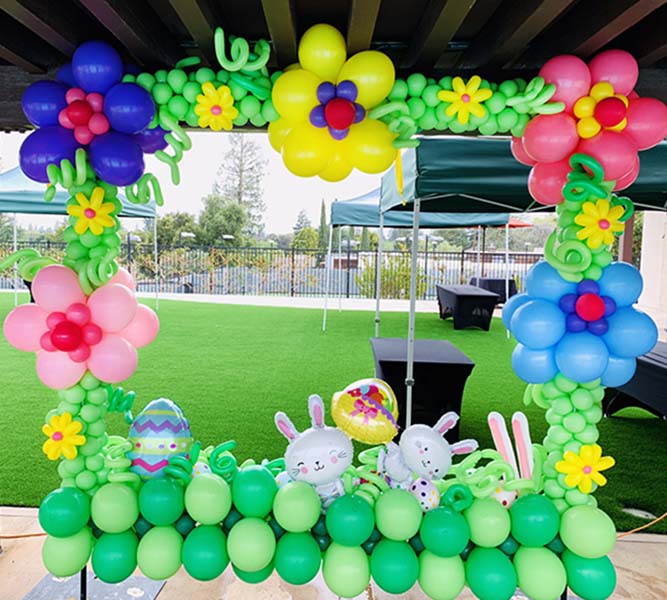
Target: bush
<point x="394" y="278"/>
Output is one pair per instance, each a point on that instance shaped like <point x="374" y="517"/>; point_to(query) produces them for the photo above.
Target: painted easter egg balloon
<point x="159" y="432"/>
<point x="366" y="410"/>
<point x="427" y="494"/>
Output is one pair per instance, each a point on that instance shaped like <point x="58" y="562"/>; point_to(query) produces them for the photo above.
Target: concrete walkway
<point x="640" y="560"/>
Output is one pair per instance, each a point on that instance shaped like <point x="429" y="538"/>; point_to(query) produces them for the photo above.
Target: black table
<point x="648" y="387"/>
<point x="440" y="374"/>
<point x="497" y="286"/>
<point x="470" y="306"/>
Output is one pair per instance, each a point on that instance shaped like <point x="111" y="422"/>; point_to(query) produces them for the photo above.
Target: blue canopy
<point x="364" y="211"/>
<point x="19" y="194"/>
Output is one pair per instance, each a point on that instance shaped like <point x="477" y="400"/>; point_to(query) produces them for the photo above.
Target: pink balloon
<point x="647" y="122"/>
<point x="56" y="287"/>
<point x="24" y="327"/>
<point x="629" y="178"/>
<point x="571" y="76"/>
<point x="143" y="328"/>
<point x="618" y="67"/>
<point x="546" y="181"/>
<point x="615" y="151"/>
<point x="124" y="277"/>
<point x="113" y="360"/>
<point x="550" y="138"/>
<point x="112" y="307"/>
<point x="519" y="152"/>
<point x="57" y="370"/>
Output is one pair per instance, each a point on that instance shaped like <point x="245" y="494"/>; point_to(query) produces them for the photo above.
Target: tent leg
<point x="507" y="268"/>
<point x="340" y="269"/>
<point x="479" y="253"/>
<point x="327" y="278"/>
<point x="378" y="276"/>
<point x="16" y="268"/>
<point x="409" y="376"/>
<point x="156" y="264"/>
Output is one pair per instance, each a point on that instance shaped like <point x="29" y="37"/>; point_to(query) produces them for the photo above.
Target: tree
<point x="240" y="179"/>
<point x="305" y="239"/>
<point x="365" y="243"/>
<point x="302" y="221"/>
<point x="6" y="229"/>
<point x="220" y="217"/>
<point x="323" y="231"/>
<point x="281" y="240"/>
<point x="171" y="226"/>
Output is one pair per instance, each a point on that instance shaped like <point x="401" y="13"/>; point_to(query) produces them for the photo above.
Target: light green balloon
<point x="587" y="531"/>
<point x="540" y="573"/>
<point x="63" y="557"/>
<point x="251" y="544"/>
<point x="441" y="578"/>
<point x="489" y="522"/>
<point x="208" y="499"/>
<point x="297" y="507"/>
<point x="346" y="570"/>
<point x="398" y="515"/>
<point x="114" y="507"/>
<point x="159" y="552"/>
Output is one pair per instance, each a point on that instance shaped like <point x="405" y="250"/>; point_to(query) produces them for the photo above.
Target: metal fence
<point x="297" y="272"/>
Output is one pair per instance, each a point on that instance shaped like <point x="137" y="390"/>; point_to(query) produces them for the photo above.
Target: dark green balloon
<point x="467" y="550"/>
<point x="350" y="520"/>
<point x="185" y="524"/>
<point x="444" y="532"/>
<point x="394" y="566"/>
<point x="115" y="556"/>
<point x="64" y="512"/>
<point x="205" y="552"/>
<point x="253" y="491"/>
<point x="320" y="528"/>
<point x="142" y="526"/>
<point x="590" y="578"/>
<point x="556" y="545"/>
<point x="535" y="520"/>
<point x="254" y="576"/>
<point x="490" y="574"/>
<point x="298" y="558"/>
<point x="278" y="531"/>
<point x="323" y="541"/>
<point x="417" y="544"/>
<point x="161" y="501"/>
<point x="509" y="546"/>
<point x="232" y="519"/>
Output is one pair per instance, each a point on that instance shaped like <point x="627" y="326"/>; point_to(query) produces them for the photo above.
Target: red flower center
<point x="216" y="110"/>
<point x="465" y="98"/>
<point x="66" y="336"/>
<point x="89" y="213"/>
<point x="588" y="470"/>
<point x="79" y="112"/>
<point x="57" y="436"/>
<point x="339" y="113"/>
<point x="604" y="224"/>
<point x="590" y="307"/>
<point x="609" y="112"/>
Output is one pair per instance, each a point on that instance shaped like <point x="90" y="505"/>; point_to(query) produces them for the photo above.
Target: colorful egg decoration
<point x="159" y="432"/>
<point x="427" y="494"/>
<point x="201" y="468"/>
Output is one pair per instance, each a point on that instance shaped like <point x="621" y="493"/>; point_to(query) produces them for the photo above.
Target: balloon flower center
<point x="66" y="336"/>
<point x="339" y="113"/>
<point x="89" y="213"/>
<point x="79" y="112"/>
<point x="590" y="307"/>
<point x="216" y="110"/>
<point x="603" y="224"/>
<point x="609" y="112"/>
<point x="465" y="98"/>
<point x="588" y="470"/>
<point x="57" y="436"/>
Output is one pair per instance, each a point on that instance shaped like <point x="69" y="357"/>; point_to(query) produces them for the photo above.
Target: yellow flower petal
<point x="73" y="428"/>
<point x="595" y="240"/>
<point x="96" y="198"/>
<point x="459" y="86"/>
<point x="602" y="89"/>
<point x="617" y="227"/>
<point x="82" y="225"/>
<point x="585" y="485"/>
<point x="47" y="430"/>
<point x="616" y="213"/>
<point x="452" y="109"/>
<point x="95" y="227"/>
<point x="573" y="479"/>
<point x="481" y="95"/>
<point x="69" y="452"/>
<point x="606" y="462"/>
<point x="598" y="478"/>
<point x="75" y="211"/>
<point x="603" y="208"/>
<point x="584" y="107"/>
<point x="463" y="115"/>
<point x="82" y="200"/>
<point x="447" y="96"/>
<point x="77" y="440"/>
<point x="209" y="90"/>
<point x="590" y="209"/>
<point x="473" y="84"/>
<point x="476" y="109"/>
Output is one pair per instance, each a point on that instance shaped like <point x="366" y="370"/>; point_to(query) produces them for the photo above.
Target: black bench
<point x="470" y="306"/>
<point x="497" y="286"/>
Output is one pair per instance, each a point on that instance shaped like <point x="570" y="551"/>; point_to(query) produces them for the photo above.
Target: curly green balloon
<point x="240" y="53"/>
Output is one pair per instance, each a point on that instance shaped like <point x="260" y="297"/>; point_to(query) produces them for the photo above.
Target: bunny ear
<point x="285" y="426"/>
<point x="501" y="439"/>
<point x="316" y="410"/>
<point x="446" y="422"/>
<point x="464" y="447"/>
<point x="524" y="446"/>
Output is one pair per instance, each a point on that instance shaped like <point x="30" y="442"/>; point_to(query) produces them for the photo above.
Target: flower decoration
<point x="72" y="333"/>
<point x="325" y="106"/>
<point x="63" y="437"/>
<point x="90" y="107"/>
<point x="601" y="109"/>
<point x="215" y="107"/>
<point x="585" y="331"/>
<point x="91" y="213"/>
<point x="582" y="469"/>
<point x="465" y="99"/>
<point x="599" y="222"/>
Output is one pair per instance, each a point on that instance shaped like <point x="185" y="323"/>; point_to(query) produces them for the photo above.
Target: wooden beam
<point x="361" y="24"/>
<point x="138" y="29"/>
<point x="510" y="29"/>
<point x="625" y="253"/>
<point x="281" y="21"/>
<point x="438" y="25"/>
<point x="10" y="56"/>
<point x="647" y="41"/>
<point x="200" y="20"/>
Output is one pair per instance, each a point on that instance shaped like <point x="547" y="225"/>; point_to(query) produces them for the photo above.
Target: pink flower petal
<point x="78" y="313"/>
<point x="124" y="277"/>
<point x="83" y="135"/>
<point x="46" y="343"/>
<point x="57" y="370"/>
<point x="75" y="94"/>
<point x="113" y="360"/>
<point x="81" y="354"/>
<point x="63" y="119"/>
<point x="143" y="328"/>
<point x="56" y="287"/>
<point x="92" y="334"/>
<point x="98" y="124"/>
<point x="54" y="318"/>
<point x="96" y="101"/>
<point x="112" y="307"/>
<point x="24" y="327"/>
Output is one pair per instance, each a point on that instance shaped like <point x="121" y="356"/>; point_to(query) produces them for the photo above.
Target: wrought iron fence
<point x="296" y="272"/>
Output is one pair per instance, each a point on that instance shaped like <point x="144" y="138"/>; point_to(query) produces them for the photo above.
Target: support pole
<point x="16" y="267"/>
<point x="327" y="278"/>
<point x="507" y="268"/>
<point x="378" y="276"/>
<point x="156" y="264"/>
<point x="479" y="253"/>
<point x="83" y="584"/>
<point x="409" y="376"/>
<point x="340" y="268"/>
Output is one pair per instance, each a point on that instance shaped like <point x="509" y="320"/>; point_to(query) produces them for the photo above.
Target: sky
<point x="285" y="194"/>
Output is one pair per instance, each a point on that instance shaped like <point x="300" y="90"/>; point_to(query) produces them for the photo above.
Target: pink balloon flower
<point x="72" y="333"/>
<point x="84" y="115"/>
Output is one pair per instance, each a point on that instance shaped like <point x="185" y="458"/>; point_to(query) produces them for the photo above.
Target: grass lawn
<point x="230" y="368"/>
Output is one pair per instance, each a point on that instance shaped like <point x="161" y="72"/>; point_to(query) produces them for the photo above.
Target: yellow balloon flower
<point x="600" y="222"/>
<point x="582" y="469"/>
<point x="601" y="109"/>
<point x="63" y="437"/>
<point x="215" y="107"/>
<point x="91" y="213"/>
<point x="465" y="99"/>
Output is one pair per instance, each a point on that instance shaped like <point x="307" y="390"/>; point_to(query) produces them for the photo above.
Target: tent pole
<point x="16" y="268"/>
<point x="479" y="253"/>
<point x="340" y="263"/>
<point x="156" y="264"/>
<point x="507" y="267"/>
<point x="327" y="278"/>
<point x="409" y="376"/>
<point x="378" y="276"/>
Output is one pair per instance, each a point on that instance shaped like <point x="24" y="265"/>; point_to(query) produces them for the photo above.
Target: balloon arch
<point x="404" y="514"/>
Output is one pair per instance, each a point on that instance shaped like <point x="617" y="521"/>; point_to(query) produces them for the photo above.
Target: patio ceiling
<point x="496" y="38"/>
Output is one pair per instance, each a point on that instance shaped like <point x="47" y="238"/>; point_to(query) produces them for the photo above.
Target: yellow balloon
<point x="369" y="146"/>
<point x="307" y="150"/>
<point x="292" y="67"/>
<point x="339" y="167"/>
<point x="322" y="51"/>
<point x="295" y="94"/>
<point x="374" y="75"/>
<point x="278" y="131"/>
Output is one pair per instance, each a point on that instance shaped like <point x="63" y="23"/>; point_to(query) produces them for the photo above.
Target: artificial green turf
<point x="230" y="368"/>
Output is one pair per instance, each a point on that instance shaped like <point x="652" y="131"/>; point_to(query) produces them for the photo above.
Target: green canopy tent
<point x="473" y="174"/>
<point x="21" y="195"/>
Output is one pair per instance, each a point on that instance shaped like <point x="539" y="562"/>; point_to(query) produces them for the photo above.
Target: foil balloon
<point x="426" y="493"/>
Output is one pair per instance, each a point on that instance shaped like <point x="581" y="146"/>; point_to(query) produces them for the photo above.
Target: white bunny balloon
<point x="319" y="455"/>
<point x="424" y="451"/>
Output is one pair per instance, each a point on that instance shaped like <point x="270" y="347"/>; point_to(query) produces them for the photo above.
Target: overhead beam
<point x="10" y="56"/>
<point x="437" y="27"/>
<point x="200" y="21"/>
<point x="138" y="29"/>
<point x="647" y="41"/>
<point x="281" y="22"/>
<point x="361" y="24"/>
<point x="510" y="30"/>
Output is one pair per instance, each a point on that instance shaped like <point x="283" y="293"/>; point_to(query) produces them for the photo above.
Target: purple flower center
<point x="337" y="109"/>
<point x="586" y="309"/>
